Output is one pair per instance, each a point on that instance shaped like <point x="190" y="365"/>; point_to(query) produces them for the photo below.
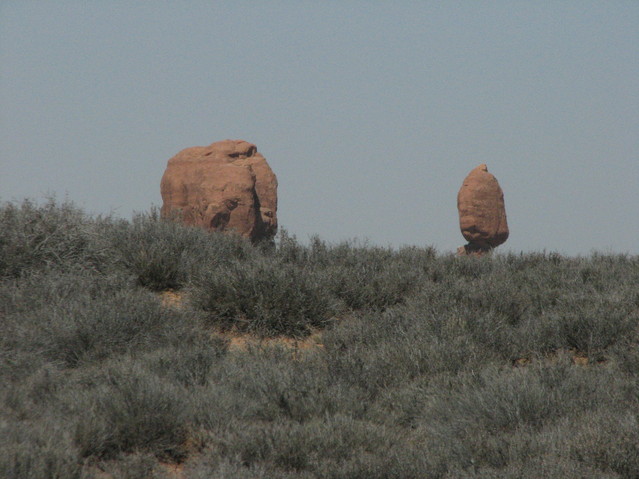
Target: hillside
<point x="143" y="348"/>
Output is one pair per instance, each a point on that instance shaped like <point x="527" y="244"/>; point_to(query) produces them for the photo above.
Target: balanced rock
<point x="226" y="186"/>
<point x="482" y="213"/>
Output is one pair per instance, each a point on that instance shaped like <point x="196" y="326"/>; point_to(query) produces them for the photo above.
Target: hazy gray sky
<point x="370" y="113"/>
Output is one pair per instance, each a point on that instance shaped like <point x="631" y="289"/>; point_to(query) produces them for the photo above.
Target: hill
<point x="119" y="356"/>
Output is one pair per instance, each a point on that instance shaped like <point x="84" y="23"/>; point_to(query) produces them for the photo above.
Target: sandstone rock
<point x="482" y="214"/>
<point x="226" y="186"/>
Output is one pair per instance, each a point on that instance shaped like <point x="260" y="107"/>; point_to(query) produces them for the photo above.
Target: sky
<point x="370" y="113"/>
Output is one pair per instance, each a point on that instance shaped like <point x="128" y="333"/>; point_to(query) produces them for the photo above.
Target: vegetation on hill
<point x="430" y="365"/>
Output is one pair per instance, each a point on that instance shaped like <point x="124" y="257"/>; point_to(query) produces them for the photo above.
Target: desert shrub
<point x="266" y="297"/>
<point x="550" y="466"/>
<point x="38" y="450"/>
<point x="131" y="466"/>
<point x="609" y="440"/>
<point x="289" y="250"/>
<point x="466" y="268"/>
<point x="335" y="446"/>
<point x="33" y="398"/>
<point x="592" y="325"/>
<point x="376" y="350"/>
<point x="49" y="235"/>
<point x="518" y="312"/>
<point x="360" y="276"/>
<point x="127" y="408"/>
<point x="163" y="254"/>
<point x="206" y="467"/>
<point x="31" y="330"/>
<point x="626" y="356"/>
<point x="266" y="384"/>
<point x="568" y="312"/>
<point x="498" y="401"/>
<point x="429" y="365"/>
<point x="82" y="317"/>
<point x="499" y="416"/>
<point x="358" y="355"/>
<point x="369" y="284"/>
<point x="190" y="363"/>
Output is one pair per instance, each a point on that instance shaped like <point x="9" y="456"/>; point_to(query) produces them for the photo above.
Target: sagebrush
<point x="428" y="364"/>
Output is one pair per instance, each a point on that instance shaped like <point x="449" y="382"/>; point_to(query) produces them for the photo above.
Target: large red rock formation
<point x="482" y="213"/>
<point x="226" y="186"/>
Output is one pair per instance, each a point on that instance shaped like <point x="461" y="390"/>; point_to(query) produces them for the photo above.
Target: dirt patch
<point x="245" y="341"/>
<point x="242" y="342"/>
<point x="578" y="358"/>
<point x="171" y="299"/>
<point x="174" y="471"/>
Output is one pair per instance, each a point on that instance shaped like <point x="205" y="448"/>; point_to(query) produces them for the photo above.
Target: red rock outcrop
<point x="482" y="213"/>
<point x="226" y="186"/>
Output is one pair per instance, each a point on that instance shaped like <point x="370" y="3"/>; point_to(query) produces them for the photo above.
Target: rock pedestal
<point x="226" y="186"/>
<point x="482" y="213"/>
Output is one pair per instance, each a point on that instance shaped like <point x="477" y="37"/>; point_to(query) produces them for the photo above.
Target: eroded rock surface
<point x="482" y="213"/>
<point x="226" y="186"/>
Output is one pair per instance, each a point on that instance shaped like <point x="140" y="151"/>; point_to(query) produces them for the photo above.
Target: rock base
<point x="473" y="250"/>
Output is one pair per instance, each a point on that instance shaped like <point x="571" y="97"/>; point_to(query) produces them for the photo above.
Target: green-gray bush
<point x="431" y="365"/>
<point x="38" y="450"/>
<point x="266" y="297"/>
<point x="38" y="236"/>
<point x="78" y="318"/>
<point x="163" y="254"/>
<point x="129" y="409"/>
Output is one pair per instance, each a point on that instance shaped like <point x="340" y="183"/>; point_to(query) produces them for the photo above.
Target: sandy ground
<point x="240" y="341"/>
